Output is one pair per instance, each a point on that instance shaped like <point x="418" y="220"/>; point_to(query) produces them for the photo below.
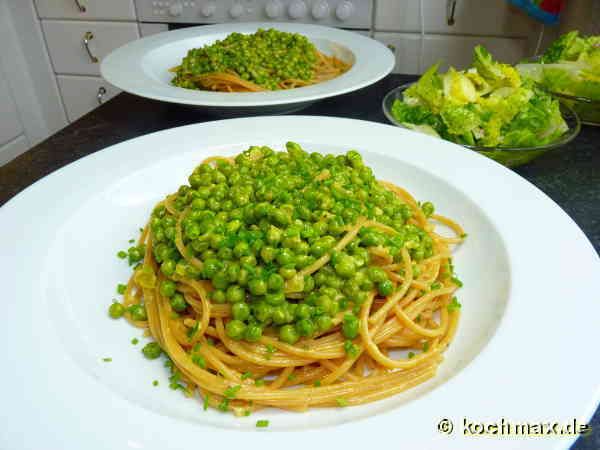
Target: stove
<point x="352" y="14"/>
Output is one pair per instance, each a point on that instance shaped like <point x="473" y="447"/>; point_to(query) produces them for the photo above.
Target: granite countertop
<point x="570" y="175"/>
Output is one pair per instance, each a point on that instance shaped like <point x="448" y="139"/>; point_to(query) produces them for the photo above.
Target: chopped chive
<point x="291" y="377"/>
<point x="411" y="355"/>
<point x="122" y="254"/>
<point x="131" y="241"/>
<point x="231" y="391"/>
<point x="425" y="346"/>
<point x="456" y="281"/>
<point x="107" y="359"/>
<point x="418" y="318"/>
<point x="464" y="235"/>
<point x="247" y="413"/>
<point x="205" y="404"/>
<point x="121" y="288"/>
<point x="317" y="383"/>
<point x="224" y="405"/>
<point x="246" y="375"/>
<point x="259" y="382"/>
<point x="341" y="402"/>
<point x="210" y="341"/>
<point x="135" y="341"/>
<point x="192" y="331"/>
<point x="350" y="349"/>
<point x="196" y="346"/>
<point x="141" y="230"/>
<point x="155" y="383"/>
<point x="199" y="361"/>
<point x="262" y="423"/>
<point x="454" y="305"/>
<point x="435" y="286"/>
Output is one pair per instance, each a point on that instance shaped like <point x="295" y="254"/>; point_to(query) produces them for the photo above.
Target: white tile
<point x="406" y="49"/>
<point x="458" y="50"/>
<point x="395" y="15"/>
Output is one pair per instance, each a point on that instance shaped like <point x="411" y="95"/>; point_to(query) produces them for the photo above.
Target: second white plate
<point x="141" y="67"/>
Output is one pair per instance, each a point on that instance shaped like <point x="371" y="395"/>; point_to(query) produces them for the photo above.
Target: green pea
<point x="287" y="272"/>
<point x="220" y="280"/>
<point x="385" y="288"/>
<point x="235" y="294"/>
<point x="305" y="327"/>
<point x="263" y="312"/>
<point x="268" y="254"/>
<point x="288" y="334"/>
<point x="274" y="235"/>
<point x="428" y="209"/>
<point x="350" y="326"/>
<point x="324" y="322"/>
<point x="376" y="274"/>
<point x="178" y="302"/>
<point x="257" y="286"/>
<point x="218" y="296"/>
<point x="285" y="257"/>
<point x="253" y="333"/>
<point x="345" y="267"/>
<point x="278" y="315"/>
<point x="116" y="310"/>
<point x="275" y="298"/>
<point x="275" y="282"/>
<point x="152" y="350"/>
<point x="235" y="329"/>
<point x="241" y="249"/>
<point x="137" y="312"/>
<point x="304" y="311"/>
<point x="240" y="311"/>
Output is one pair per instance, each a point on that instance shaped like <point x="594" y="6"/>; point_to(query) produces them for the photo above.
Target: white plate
<point x="141" y="67"/>
<point x="521" y="352"/>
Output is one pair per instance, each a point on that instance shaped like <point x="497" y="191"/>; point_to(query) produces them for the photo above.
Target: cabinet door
<point x="83" y="94"/>
<point x="67" y="49"/>
<point x="86" y="9"/>
<point x="10" y="123"/>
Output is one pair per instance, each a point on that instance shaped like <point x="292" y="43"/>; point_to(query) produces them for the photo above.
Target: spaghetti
<point x="265" y="60"/>
<point x="376" y="340"/>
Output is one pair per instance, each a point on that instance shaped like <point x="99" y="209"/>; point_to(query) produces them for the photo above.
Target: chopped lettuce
<point x="571" y="66"/>
<point x="486" y="105"/>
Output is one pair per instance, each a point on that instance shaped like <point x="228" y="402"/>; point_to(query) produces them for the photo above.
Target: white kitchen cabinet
<point x="148" y="29"/>
<point x="481" y="17"/>
<point x="68" y="51"/>
<point x="86" y="9"/>
<point x="82" y="94"/>
<point x="10" y="123"/>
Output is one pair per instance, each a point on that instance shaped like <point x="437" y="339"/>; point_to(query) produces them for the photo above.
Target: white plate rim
<point x="447" y="160"/>
<point x="122" y="67"/>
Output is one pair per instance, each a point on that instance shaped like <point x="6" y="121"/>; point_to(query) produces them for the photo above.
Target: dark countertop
<point x="570" y="175"/>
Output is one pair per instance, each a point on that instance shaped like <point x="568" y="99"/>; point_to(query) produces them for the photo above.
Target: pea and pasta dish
<point x="265" y="60"/>
<point x="292" y="280"/>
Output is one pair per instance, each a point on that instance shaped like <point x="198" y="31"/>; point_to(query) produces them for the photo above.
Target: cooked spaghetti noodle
<point x="265" y="60"/>
<point x="294" y="280"/>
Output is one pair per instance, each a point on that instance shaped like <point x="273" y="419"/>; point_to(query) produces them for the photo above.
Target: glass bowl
<point x="507" y="156"/>
<point x="586" y="108"/>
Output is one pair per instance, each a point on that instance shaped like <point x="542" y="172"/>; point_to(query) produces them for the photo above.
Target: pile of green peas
<point x="257" y="223"/>
<point x="266" y="58"/>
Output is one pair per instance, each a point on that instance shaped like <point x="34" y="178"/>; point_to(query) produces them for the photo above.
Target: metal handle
<point x="101" y="94"/>
<point x="450" y="9"/>
<point x="87" y="37"/>
<point x="81" y="7"/>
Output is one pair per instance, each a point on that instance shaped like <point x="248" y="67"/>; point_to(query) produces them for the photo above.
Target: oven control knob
<point x="320" y="9"/>
<point x="208" y="9"/>
<point x="297" y="9"/>
<point x="236" y="11"/>
<point x="344" y="10"/>
<point x="176" y="9"/>
<point x="274" y="9"/>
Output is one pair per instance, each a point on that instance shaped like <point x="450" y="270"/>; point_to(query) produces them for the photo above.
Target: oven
<point x="161" y="15"/>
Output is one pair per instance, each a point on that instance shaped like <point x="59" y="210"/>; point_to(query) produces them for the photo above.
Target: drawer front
<point x="489" y="17"/>
<point x="86" y="9"/>
<point x="10" y="123"/>
<point x="67" y="49"/>
<point x="456" y="51"/>
<point x="82" y="94"/>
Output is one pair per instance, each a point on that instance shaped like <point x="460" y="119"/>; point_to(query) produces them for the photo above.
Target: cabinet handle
<point x="101" y="94"/>
<point x="87" y="37"/>
<point x="450" y="8"/>
<point x="81" y="6"/>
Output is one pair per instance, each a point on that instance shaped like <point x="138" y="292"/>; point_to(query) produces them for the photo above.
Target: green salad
<point x="488" y="105"/>
<point x="571" y="65"/>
